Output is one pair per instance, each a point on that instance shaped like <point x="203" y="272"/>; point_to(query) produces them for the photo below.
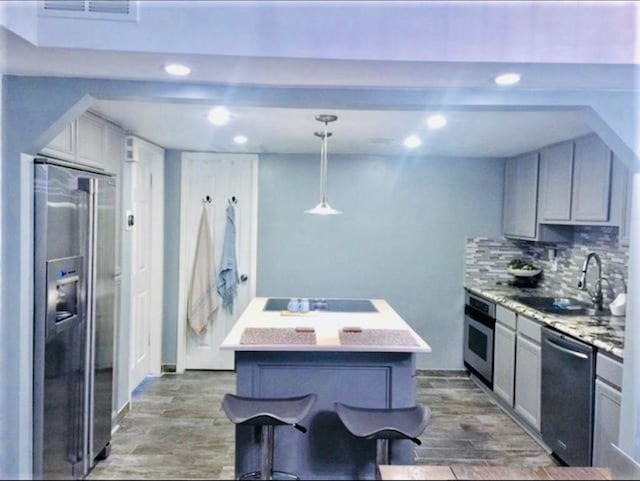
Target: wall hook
<point x="207" y="200"/>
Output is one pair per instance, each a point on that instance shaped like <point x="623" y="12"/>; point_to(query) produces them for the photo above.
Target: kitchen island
<point x="364" y="357"/>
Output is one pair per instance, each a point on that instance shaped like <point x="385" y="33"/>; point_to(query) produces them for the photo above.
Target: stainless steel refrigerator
<point x="74" y="316"/>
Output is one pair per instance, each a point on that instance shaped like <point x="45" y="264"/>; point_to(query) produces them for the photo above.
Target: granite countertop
<point x="604" y="332"/>
<point x="382" y="330"/>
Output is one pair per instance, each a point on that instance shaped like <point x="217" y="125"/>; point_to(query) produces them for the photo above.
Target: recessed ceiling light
<point x="436" y="121"/>
<point x="240" y="139"/>
<point x="219" y="115"/>
<point x="507" y="79"/>
<point x="177" y="69"/>
<point x="412" y="142"/>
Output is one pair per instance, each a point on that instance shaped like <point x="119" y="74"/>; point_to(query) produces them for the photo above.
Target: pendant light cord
<point x="323" y="174"/>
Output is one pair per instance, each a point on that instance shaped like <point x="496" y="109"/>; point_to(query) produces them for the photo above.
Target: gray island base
<point x="374" y="371"/>
<point x="327" y="450"/>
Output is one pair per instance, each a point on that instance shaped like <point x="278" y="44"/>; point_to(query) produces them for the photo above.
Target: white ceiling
<point x="19" y="57"/>
<point x="278" y="130"/>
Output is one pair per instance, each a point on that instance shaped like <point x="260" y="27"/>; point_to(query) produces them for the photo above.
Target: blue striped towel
<point x="228" y="277"/>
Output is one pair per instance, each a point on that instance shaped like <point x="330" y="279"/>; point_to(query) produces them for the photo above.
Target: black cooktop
<point x="330" y="305"/>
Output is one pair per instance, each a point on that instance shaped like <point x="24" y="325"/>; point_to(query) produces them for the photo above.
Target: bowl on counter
<point x="523" y="272"/>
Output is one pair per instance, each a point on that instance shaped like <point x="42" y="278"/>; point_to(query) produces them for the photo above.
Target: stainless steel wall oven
<point x="479" y="327"/>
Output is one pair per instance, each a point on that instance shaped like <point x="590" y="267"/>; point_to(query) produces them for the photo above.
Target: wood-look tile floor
<point x="176" y="429"/>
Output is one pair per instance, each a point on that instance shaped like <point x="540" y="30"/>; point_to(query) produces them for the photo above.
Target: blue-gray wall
<point x="172" y="182"/>
<point x="401" y="237"/>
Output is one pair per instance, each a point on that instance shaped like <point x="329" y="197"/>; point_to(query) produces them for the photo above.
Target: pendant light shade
<point x="323" y="207"/>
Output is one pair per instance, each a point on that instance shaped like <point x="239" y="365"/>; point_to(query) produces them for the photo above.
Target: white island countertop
<point x="327" y="326"/>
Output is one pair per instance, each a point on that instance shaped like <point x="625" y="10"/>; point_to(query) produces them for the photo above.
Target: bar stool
<point x="384" y="425"/>
<point x="268" y="413"/>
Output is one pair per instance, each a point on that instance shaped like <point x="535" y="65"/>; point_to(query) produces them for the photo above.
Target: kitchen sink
<point x="566" y="306"/>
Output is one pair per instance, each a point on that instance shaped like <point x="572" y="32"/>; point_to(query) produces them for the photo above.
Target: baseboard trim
<point x="625" y="466"/>
<point x="168" y="369"/>
<point x="123" y="412"/>
<point x="442" y="372"/>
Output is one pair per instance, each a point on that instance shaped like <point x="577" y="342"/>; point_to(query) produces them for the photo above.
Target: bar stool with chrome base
<point x="384" y="425"/>
<point x="268" y="413"/>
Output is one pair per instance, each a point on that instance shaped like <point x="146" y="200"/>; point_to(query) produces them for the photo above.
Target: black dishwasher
<point x="568" y="371"/>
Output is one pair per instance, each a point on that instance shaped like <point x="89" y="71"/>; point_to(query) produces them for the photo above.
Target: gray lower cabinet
<point x="504" y="364"/>
<point x="606" y="423"/>
<point x="606" y="417"/>
<point x="504" y="354"/>
<point x="528" y="372"/>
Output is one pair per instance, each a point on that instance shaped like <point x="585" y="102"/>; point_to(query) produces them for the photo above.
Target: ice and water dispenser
<point x="64" y="281"/>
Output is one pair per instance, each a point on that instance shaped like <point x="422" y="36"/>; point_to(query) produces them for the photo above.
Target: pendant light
<point x="323" y="207"/>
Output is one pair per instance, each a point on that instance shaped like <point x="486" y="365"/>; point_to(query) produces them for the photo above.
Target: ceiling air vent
<point x="64" y="5"/>
<point x="91" y="9"/>
<point x="110" y="6"/>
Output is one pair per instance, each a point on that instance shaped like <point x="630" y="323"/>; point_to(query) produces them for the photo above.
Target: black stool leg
<point x="266" y="466"/>
<point x="382" y="454"/>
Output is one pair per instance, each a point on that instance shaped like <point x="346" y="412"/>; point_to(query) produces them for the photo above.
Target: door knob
<point x="243" y="278"/>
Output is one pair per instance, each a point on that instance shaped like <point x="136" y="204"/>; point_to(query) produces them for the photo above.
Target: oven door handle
<point x="479" y="317"/>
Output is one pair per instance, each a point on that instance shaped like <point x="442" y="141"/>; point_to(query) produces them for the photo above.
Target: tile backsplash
<point x="487" y="259"/>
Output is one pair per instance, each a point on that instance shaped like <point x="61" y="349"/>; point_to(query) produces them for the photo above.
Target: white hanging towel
<point x="203" y="295"/>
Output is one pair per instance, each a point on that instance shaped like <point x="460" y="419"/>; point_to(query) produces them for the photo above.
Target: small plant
<point x="521" y="265"/>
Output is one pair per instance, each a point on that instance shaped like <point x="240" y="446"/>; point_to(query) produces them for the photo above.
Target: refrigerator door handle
<point x="90" y="186"/>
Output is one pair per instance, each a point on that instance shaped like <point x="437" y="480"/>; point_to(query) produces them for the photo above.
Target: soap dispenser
<point x="619" y="305"/>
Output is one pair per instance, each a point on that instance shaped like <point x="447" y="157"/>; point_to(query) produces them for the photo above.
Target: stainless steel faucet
<point x="596" y="297"/>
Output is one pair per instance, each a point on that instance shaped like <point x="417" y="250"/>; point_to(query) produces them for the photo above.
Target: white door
<point x="222" y="177"/>
<point x="146" y="174"/>
<point x="141" y="288"/>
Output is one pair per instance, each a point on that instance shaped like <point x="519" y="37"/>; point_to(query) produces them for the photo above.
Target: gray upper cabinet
<point x="64" y="145"/>
<point x="556" y="174"/>
<point x="591" y="181"/>
<point x="521" y="196"/>
<point x="83" y="141"/>
<point x="91" y="141"/>
<point x="581" y="183"/>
